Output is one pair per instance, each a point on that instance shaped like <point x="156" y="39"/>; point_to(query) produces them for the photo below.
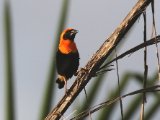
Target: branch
<point x="97" y="60"/>
<point x="132" y="50"/>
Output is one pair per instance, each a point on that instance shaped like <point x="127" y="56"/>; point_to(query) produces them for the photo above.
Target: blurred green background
<point x="29" y="31"/>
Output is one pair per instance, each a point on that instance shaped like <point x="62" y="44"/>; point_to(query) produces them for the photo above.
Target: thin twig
<point x="117" y="70"/>
<point x="145" y="55"/>
<point x="145" y="68"/>
<point x="154" y="34"/>
<point x="87" y="102"/>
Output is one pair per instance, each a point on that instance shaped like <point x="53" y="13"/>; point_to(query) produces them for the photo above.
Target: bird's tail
<point x="60" y="81"/>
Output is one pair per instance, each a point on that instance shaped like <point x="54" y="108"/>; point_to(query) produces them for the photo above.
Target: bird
<point x="67" y="57"/>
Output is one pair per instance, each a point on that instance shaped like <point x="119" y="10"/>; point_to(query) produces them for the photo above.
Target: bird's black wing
<point x="67" y="64"/>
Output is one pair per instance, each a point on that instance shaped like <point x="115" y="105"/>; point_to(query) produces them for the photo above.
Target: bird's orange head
<point x="67" y="44"/>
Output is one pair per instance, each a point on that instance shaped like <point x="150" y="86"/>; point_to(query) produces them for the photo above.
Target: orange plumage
<point x="67" y="57"/>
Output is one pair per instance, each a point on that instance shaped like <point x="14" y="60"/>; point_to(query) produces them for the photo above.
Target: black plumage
<point x="67" y="65"/>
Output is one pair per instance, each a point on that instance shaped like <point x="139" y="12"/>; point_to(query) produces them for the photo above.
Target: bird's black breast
<point x="67" y="64"/>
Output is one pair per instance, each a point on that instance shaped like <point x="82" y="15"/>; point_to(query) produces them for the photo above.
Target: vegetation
<point x="105" y="110"/>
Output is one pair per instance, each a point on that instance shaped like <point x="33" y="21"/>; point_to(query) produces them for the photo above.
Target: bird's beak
<point x="75" y="31"/>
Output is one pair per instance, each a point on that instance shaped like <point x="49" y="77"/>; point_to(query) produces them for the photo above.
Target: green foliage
<point x="10" y="111"/>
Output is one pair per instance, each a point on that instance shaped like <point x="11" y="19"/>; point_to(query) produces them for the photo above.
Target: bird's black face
<point x="70" y="34"/>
